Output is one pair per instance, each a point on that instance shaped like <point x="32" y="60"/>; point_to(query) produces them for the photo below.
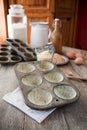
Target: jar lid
<point x="39" y="23"/>
<point x="16" y="6"/>
<point x="16" y="9"/>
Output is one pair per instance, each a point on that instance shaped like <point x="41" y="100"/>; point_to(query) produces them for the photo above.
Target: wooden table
<point x="70" y="117"/>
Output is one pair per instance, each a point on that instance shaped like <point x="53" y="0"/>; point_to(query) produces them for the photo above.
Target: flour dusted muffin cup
<point x="32" y="80"/>
<point x="25" y="67"/>
<point x="39" y="97"/>
<point x="65" y="91"/>
<point x="54" y="77"/>
<point x="45" y="66"/>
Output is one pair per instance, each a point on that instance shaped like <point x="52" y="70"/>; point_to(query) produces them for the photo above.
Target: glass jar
<point x="17" y="23"/>
<point x="39" y="34"/>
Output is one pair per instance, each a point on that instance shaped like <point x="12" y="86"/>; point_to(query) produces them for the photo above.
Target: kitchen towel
<point x="16" y="99"/>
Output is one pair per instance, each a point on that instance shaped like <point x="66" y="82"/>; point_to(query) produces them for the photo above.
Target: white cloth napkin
<point x="16" y="99"/>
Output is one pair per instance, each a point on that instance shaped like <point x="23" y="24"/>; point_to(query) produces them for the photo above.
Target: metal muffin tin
<point x="22" y="49"/>
<point x="8" y="55"/>
<point x="39" y="92"/>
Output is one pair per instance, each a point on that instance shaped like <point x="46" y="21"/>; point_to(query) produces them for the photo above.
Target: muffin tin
<point x="45" y="89"/>
<point x="22" y="49"/>
<point x="8" y="55"/>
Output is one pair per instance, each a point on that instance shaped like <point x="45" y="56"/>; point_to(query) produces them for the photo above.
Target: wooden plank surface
<point x="70" y="117"/>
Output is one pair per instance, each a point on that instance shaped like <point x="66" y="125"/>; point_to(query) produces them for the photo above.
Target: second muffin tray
<point x="44" y="86"/>
<point x="8" y="55"/>
<point x="22" y="49"/>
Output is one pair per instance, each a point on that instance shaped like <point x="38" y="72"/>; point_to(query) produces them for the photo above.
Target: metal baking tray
<point x="22" y="49"/>
<point x="44" y="86"/>
<point x="8" y="55"/>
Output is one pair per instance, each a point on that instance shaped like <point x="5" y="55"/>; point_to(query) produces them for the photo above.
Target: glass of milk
<point x="17" y="23"/>
<point x="39" y="34"/>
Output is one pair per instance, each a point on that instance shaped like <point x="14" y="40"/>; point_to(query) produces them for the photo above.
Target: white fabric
<point x="16" y="99"/>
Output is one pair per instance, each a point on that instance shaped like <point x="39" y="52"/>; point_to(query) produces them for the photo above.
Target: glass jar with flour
<point x="39" y="34"/>
<point x="17" y="23"/>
